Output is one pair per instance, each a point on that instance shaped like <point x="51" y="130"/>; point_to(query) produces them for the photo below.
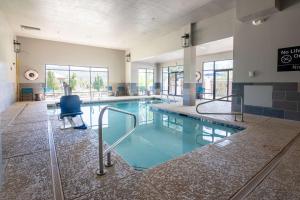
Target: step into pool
<point x="160" y="136"/>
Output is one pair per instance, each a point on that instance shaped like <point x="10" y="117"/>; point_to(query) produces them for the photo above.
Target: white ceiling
<point x="107" y="23"/>
<point x="218" y="46"/>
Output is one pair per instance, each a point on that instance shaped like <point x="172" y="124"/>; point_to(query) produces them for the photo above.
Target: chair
<point x="200" y="92"/>
<point x="70" y="107"/>
<point x="27" y="92"/>
<point x="120" y="90"/>
<point x="110" y="91"/>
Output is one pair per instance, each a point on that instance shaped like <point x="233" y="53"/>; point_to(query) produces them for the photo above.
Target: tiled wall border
<point x="285" y="100"/>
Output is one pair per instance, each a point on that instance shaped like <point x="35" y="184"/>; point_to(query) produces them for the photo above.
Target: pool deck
<point x="39" y="161"/>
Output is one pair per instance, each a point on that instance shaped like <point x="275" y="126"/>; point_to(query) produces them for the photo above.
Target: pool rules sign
<point x="288" y="59"/>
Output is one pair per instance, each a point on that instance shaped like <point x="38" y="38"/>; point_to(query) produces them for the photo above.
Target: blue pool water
<point x="159" y="136"/>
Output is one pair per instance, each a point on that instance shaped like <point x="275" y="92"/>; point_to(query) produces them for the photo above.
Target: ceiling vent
<point x="30" y="28"/>
<point x="253" y="10"/>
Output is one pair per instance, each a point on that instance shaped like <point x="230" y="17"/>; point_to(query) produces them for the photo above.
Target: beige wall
<point x="37" y="53"/>
<point x="7" y="65"/>
<point x="255" y="47"/>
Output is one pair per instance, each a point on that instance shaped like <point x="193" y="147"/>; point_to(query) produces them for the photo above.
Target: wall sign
<point x="288" y="59"/>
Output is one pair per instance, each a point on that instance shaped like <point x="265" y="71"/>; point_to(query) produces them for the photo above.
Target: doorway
<point x="223" y="83"/>
<point x="217" y="79"/>
<point x="175" y="83"/>
<point x="172" y="80"/>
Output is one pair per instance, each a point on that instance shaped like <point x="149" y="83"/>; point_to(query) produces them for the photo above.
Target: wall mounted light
<point x="17" y="46"/>
<point x="128" y="57"/>
<point x="251" y="73"/>
<point x="185" y="40"/>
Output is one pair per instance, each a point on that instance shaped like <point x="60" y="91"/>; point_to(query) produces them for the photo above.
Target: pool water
<point x="159" y="136"/>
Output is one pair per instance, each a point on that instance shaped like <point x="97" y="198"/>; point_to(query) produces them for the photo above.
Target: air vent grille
<point x="30" y="28"/>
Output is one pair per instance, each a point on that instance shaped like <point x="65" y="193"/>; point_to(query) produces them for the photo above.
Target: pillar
<point x="189" y="85"/>
<point x="158" y="79"/>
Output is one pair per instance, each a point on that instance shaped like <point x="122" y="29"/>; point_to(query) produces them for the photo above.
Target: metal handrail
<point x="168" y="97"/>
<point x="231" y="113"/>
<point x="173" y="97"/>
<point x="107" y="152"/>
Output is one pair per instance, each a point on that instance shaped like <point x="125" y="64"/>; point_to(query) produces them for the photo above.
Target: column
<point x="189" y="85"/>
<point x="128" y="78"/>
<point x="157" y="79"/>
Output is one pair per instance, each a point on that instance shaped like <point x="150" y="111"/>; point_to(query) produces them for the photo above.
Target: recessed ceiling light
<point x="258" y="22"/>
<point x="24" y="27"/>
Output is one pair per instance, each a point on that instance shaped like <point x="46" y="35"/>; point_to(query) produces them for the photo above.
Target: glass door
<point x="179" y="83"/>
<point x="176" y="83"/>
<point x="208" y="80"/>
<point x="217" y="79"/>
<point x="172" y="83"/>
<point x="223" y="82"/>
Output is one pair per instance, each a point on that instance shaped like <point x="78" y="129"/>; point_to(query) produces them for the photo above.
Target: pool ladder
<point x="107" y="152"/>
<point x="241" y="113"/>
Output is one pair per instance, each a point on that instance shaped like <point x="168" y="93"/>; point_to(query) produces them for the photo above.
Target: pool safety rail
<point x="241" y="113"/>
<point x="168" y="98"/>
<point x="107" y="152"/>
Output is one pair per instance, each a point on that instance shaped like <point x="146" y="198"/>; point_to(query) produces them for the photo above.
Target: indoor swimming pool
<point x="159" y="136"/>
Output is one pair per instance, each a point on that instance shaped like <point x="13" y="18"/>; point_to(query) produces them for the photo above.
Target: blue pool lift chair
<point x="70" y="107"/>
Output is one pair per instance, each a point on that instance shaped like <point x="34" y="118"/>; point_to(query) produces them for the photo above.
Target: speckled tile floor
<point x="25" y="166"/>
<point x="216" y="171"/>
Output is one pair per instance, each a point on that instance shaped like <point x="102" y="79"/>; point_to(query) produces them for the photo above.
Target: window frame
<point x="146" y="79"/>
<point x="90" y="71"/>
<point x="214" y="76"/>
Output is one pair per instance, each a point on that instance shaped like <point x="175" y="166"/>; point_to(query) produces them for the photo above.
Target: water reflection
<point x="159" y="136"/>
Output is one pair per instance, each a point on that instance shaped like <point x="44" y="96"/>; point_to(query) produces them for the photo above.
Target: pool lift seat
<point x="70" y="106"/>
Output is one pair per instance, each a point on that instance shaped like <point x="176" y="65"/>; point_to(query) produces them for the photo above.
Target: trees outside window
<point x="73" y="81"/>
<point x="98" y="83"/>
<point x="51" y="81"/>
<point x="84" y="81"/>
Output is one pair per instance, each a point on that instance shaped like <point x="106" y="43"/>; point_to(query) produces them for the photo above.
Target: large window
<point x="87" y="82"/>
<point x="145" y="81"/>
<point x="217" y="79"/>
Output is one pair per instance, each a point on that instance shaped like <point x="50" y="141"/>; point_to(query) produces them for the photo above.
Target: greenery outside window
<point x="87" y="82"/>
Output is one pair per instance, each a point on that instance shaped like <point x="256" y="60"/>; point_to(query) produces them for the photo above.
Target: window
<point x="87" y="82"/>
<point x="217" y="79"/>
<point x="145" y="81"/>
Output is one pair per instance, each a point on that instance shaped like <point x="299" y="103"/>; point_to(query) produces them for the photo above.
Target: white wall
<point x="200" y="60"/>
<point x="255" y="47"/>
<point x="7" y="67"/>
<point x="214" y="28"/>
<point x="37" y="53"/>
